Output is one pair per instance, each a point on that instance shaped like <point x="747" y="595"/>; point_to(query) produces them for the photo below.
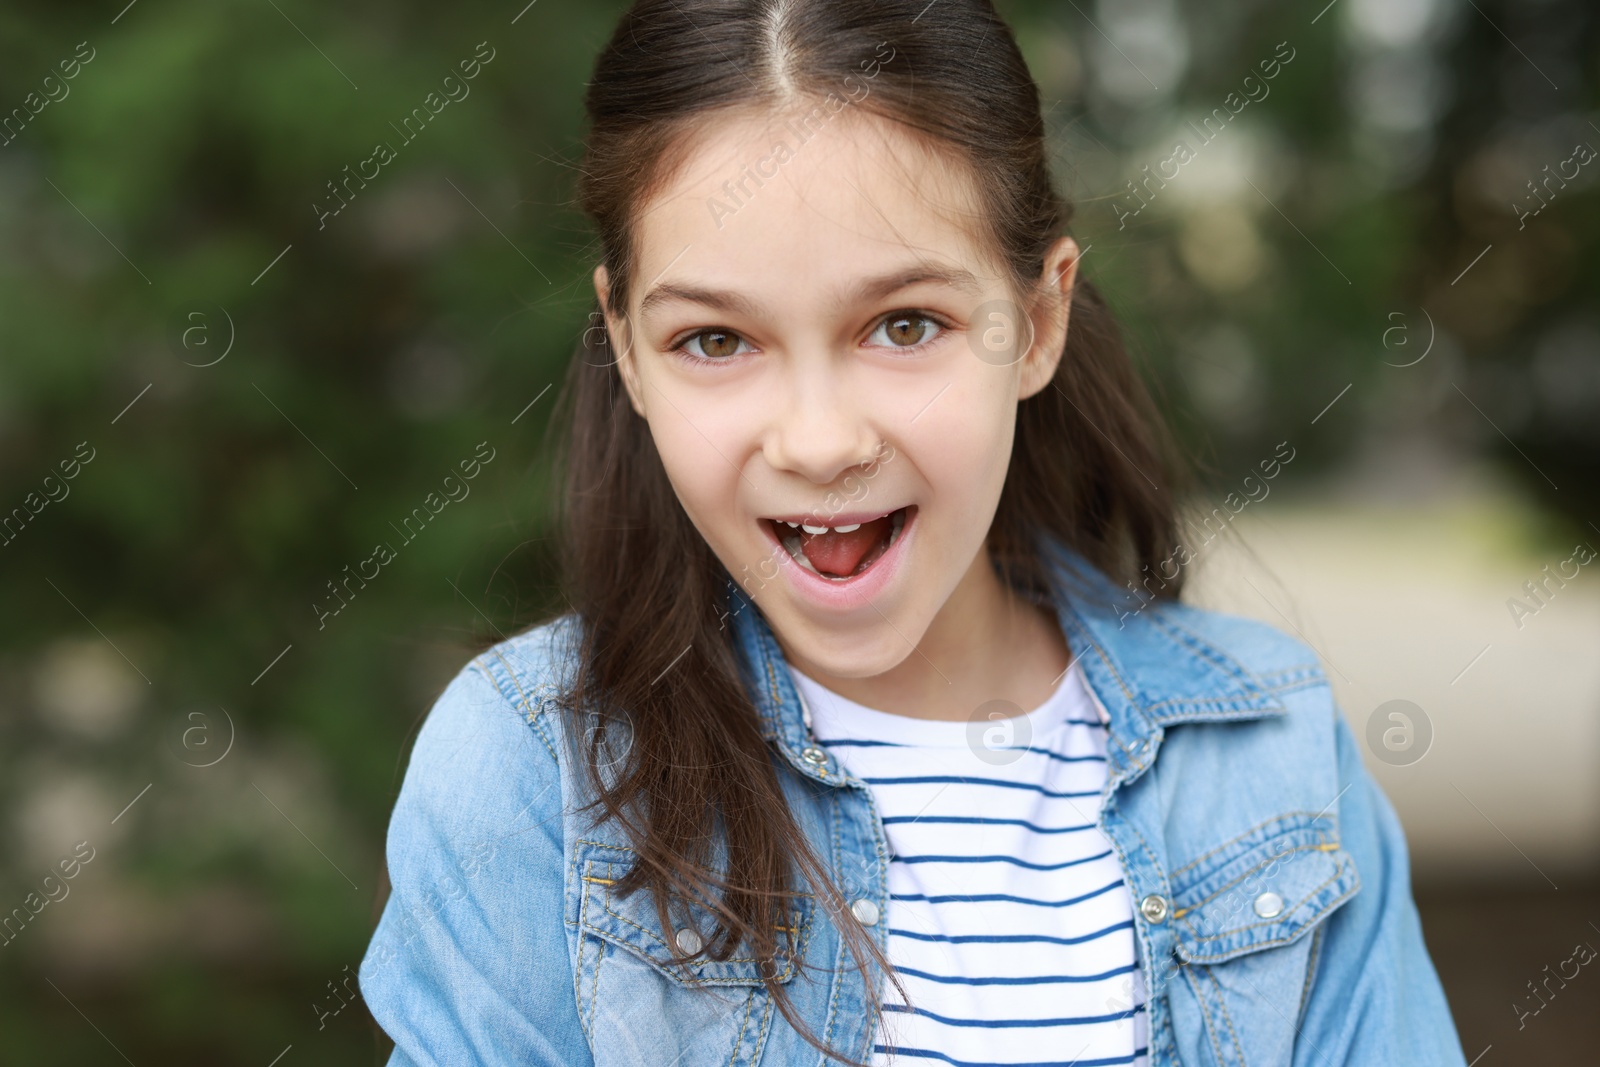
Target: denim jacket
<point x="1268" y="872"/>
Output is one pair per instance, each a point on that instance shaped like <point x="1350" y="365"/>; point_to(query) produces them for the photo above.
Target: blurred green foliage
<point x="162" y="212"/>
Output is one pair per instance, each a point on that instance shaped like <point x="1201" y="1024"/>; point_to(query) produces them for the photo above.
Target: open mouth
<point x="844" y="551"/>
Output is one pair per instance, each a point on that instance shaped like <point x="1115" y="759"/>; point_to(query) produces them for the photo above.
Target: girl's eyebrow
<point x="877" y="288"/>
<point x="868" y="290"/>
<point x="718" y="299"/>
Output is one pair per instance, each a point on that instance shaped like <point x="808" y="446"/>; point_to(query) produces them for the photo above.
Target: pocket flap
<point x="631" y="923"/>
<point x="1267" y="887"/>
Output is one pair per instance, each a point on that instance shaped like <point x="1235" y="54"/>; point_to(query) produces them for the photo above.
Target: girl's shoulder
<point x="493" y="739"/>
<point x="1276" y="659"/>
<point x="476" y="856"/>
<point x="1178" y="650"/>
<point x="530" y="670"/>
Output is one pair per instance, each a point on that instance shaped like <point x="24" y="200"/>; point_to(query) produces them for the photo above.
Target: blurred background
<point x="223" y="380"/>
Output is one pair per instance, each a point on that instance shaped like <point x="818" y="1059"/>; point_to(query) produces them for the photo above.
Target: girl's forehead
<point x="800" y="191"/>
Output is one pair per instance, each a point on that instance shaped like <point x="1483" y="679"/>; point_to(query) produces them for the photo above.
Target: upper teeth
<point x="823" y="529"/>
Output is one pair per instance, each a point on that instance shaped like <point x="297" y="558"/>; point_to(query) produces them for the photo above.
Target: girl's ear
<point x="621" y="340"/>
<point x="1049" y="312"/>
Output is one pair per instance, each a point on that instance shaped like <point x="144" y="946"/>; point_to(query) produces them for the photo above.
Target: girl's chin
<point x="823" y="653"/>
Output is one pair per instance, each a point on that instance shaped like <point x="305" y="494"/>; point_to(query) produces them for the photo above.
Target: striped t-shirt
<point x="1010" y="924"/>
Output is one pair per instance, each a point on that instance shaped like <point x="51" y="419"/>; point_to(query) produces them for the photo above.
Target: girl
<point x="877" y="733"/>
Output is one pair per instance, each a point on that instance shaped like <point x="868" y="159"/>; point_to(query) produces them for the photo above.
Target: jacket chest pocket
<point x="639" y="1004"/>
<point x="1246" y="922"/>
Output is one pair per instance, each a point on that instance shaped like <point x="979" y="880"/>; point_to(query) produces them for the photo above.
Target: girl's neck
<point x="987" y="643"/>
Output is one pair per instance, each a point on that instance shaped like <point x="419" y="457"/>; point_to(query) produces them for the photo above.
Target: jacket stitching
<point x="784" y="976"/>
<point x="1334" y="877"/>
<point x="1115" y="674"/>
<point x="1264" y="863"/>
<point x="1298" y="930"/>
<point x="838" y="970"/>
<point x="772" y="681"/>
<point x="527" y="708"/>
<point x="1225" y="663"/>
<point x="1217" y="705"/>
<point x="733" y="1057"/>
<point x="1154" y="994"/>
<point x="697" y="980"/>
<point x="1300" y="684"/>
<point x="577" y="973"/>
<point x="1167" y="1053"/>
<point x="540" y="721"/>
<point x="1133" y="703"/>
<point x="1192" y="977"/>
<point x="880" y="844"/>
<point x="1241" y="836"/>
<point x="772" y="678"/>
<point x="773" y="723"/>
<point x="766" y="1010"/>
<point x="778" y="735"/>
<point x="761" y="1032"/>
<point x="624" y="848"/>
<point x="1231" y="666"/>
<point x="1308" y="667"/>
<point x="1222" y="660"/>
<point x="1149" y="854"/>
<point x="1289" y="676"/>
<point x="594" y="988"/>
<point x="520" y="698"/>
<point x="1205" y="650"/>
<point x="601" y="844"/>
<point x="1311" y="971"/>
<point x="1222" y="1008"/>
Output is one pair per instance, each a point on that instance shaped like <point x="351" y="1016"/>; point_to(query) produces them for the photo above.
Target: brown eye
<point x="714" y="344"/>
<point x="906" y="330"/>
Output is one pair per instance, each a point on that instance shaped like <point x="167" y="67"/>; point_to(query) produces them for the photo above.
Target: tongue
<point x="841" y="553"/>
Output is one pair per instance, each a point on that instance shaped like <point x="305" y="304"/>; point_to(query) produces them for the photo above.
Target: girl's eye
<point x="906" y="330"/>
<point x="714" y="344"/>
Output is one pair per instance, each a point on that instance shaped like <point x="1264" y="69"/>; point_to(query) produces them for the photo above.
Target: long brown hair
<point x="673" y="751"/>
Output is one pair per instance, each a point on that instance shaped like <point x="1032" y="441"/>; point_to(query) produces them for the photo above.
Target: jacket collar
<point x="1148" y="668"/>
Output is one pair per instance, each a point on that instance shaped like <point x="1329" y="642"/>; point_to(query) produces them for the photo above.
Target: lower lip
<point x="848" y="593"/>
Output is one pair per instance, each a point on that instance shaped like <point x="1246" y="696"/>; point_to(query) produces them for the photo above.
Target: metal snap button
<point x="1154" y="908"/>
<point x="865" y="911"/>
<point x="1269" y="905"/>
<point x="689" y="941"/>
<point x="814" y="755"/>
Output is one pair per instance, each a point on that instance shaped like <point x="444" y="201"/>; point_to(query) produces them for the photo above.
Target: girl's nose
<point x="821" y="429"/>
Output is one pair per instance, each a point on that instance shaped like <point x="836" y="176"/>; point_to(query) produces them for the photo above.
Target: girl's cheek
<point x="965" y="452"/>
<point x="704" y="449"/>
<point x="968" y="424"/>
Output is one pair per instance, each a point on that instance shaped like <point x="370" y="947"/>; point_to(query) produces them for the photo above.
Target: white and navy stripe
<point x="1010" y="924"/>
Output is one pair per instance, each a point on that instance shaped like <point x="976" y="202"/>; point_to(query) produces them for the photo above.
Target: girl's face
<point x="819" y="337"/>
